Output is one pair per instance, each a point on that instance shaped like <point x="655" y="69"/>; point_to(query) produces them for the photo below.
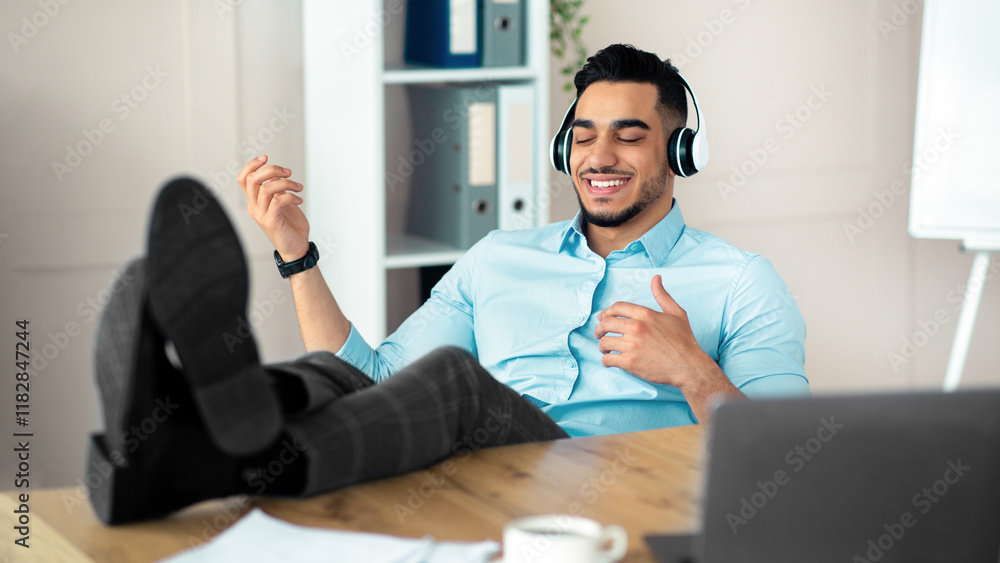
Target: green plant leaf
<point x="566" y="35"/>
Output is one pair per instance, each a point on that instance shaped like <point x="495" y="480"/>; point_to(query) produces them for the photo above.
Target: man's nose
<point x="602" y="154"/>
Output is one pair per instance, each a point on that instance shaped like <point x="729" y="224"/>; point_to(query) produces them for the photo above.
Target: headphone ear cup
<point x="678" y="152"/>
<point x="555" y="151"/>
<point x="564" y="146"/>
<point x="562" y="142"/>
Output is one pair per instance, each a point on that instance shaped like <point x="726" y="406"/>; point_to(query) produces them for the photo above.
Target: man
<point x="573" y="322"/>
<point x="549" y="331"/>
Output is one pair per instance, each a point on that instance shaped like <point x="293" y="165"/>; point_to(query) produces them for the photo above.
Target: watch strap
<point x="287" y="269"/>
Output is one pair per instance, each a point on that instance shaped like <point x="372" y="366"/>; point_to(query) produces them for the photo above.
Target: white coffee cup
<point x="560" y="538"/>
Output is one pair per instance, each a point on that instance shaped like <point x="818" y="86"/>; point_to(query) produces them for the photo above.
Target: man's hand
<point x="661" y="348"/>
<point x="275" y="208"/>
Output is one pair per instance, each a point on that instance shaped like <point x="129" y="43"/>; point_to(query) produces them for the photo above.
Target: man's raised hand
<point x="274" y="205"/>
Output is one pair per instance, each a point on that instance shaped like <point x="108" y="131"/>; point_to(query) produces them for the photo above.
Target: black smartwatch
<point x="300" y="265"/>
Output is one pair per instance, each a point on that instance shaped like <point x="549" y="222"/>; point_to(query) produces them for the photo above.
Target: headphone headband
<point x="687" y="150"/>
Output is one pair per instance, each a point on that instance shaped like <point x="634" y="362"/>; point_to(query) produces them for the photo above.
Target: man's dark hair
<point x="625" y="63"/>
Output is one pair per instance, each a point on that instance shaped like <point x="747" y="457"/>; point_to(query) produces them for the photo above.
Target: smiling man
<point x="621" y="319"/>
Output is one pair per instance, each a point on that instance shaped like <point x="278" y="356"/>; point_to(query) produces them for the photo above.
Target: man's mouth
<point x="605" y="186"/>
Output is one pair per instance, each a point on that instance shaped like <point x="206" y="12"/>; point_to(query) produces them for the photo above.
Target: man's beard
<point x="650" y="191"/>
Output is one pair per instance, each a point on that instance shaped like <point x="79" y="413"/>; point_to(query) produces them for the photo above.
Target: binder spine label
<point x="463" y="27"/>
<point x="482" y="144"/>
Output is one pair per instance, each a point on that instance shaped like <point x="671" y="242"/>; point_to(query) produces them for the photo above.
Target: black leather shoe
<point x="155" y="456"/>
<point x="198" y="293"/>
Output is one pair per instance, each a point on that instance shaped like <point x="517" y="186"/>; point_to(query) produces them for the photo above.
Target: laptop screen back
<point x="857" y="479"/>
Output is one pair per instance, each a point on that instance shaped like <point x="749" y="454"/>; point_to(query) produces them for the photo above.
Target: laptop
<point x="868" y="478"/>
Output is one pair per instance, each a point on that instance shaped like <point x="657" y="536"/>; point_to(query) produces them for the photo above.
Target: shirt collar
<point x="657" y="241"/>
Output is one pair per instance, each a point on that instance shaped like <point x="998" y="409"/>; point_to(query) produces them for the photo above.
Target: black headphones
<point x="687" y="150"/>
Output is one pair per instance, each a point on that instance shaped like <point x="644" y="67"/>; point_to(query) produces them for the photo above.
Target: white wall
<point x="225" y="72"/>
<point x="752" y="63"/>
<point x="203" y="77"/>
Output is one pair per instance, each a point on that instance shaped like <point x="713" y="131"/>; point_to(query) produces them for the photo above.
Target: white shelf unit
<point x="357" y="121"/>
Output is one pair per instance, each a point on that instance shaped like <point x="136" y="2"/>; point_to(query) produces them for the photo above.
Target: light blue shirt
<point x="525" y="303"/>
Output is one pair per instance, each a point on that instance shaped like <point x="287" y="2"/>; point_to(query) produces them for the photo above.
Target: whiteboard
<point x="955" y="184"/>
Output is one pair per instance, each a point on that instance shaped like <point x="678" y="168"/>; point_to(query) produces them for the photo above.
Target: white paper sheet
<point x="260" y="537"/>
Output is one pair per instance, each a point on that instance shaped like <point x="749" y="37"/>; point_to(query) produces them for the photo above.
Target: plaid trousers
<point x="352" y="429"/>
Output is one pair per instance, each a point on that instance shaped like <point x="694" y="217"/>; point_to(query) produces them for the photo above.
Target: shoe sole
<point x="198" y="293"/>
<point x="117" y="354"/>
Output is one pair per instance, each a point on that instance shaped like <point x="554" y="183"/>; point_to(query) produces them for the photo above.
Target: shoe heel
<point x="245" y="417"/>
<point x="123" y="494"/>
<point x="105" y="483"/>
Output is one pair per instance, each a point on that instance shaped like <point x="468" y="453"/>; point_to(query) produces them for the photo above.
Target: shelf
<point x="411" y="251"/>
<point x="421" y="75"/>
<point x="375" y="272"/>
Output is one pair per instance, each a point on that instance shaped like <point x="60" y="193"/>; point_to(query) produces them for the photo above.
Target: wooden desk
<point x="644" y="481"/>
